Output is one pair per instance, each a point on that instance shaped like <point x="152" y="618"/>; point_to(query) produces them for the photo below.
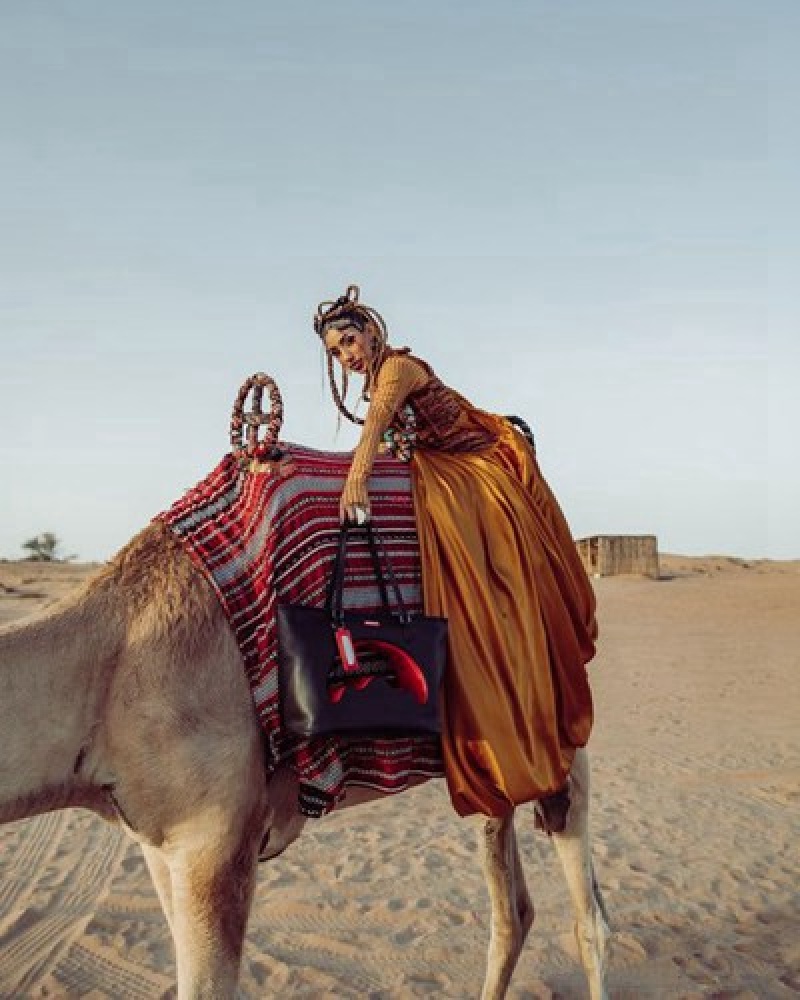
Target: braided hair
<point x="348" y="311"/>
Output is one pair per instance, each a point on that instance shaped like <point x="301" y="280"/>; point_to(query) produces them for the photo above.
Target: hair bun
<point x="347" y="306"/>
<point x="333" y="308"/>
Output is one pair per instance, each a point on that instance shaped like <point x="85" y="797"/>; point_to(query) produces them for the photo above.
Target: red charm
<point x="344" y="643"/>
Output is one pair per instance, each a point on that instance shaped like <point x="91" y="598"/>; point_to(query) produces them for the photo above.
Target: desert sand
<point x="696" y="767"/>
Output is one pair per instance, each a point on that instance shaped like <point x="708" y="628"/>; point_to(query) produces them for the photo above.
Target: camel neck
<point x="51" y="676"/>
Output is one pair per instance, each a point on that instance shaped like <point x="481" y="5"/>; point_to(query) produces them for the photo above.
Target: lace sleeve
<point x="398" y="377"/>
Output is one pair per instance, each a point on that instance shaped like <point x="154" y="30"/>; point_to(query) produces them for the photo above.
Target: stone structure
<point x="611" y="555"/>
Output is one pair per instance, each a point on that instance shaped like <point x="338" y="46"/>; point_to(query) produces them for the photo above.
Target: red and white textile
<point x="270" y="536"/>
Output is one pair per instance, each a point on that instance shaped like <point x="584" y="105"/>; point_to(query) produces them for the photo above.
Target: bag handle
<point x="404" y="614"/>
<point x="338" y="569"/>
<point x="334" y="601"/>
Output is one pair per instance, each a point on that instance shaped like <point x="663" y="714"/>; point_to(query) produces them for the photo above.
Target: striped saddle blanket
<point x="264" y="537"/>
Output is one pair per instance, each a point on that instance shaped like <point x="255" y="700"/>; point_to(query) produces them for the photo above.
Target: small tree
<point x="43" y="547"/>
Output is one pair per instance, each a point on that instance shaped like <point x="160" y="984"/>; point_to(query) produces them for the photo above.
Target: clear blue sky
<point x="581" y="212"/>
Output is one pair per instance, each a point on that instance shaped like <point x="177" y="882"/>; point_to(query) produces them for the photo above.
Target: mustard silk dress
<point x="499" y="562"/>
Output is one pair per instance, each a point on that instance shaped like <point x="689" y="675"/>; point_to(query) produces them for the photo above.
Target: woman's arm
<point x="399" y="376"/>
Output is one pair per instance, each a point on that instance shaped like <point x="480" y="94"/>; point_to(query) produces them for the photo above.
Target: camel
<point x="130" y="699"/>
<point x="115" y="697"/>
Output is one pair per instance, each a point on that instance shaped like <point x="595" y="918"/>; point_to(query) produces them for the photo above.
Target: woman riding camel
<point x="498" y="561"/>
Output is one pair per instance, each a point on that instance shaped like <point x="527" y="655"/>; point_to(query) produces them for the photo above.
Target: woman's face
<point x="351" y="347"/>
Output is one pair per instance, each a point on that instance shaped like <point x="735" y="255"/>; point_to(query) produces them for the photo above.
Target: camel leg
<point x="512" y="911"/>
<point x="212" y="889"/>
<point x="525" y="908"/>
<point x="591" y="929"/>
<point x="159" y="873"/>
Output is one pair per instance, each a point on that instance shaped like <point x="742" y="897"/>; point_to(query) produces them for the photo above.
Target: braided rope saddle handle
<point x="246" y="424"/>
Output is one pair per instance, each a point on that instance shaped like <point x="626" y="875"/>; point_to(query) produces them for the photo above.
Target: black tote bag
<point x="394" y="688"/>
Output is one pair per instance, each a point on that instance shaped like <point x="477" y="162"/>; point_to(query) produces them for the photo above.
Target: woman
<point x="498" y="561"/>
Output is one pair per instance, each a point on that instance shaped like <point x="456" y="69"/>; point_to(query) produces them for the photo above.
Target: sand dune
<point x="696" y="760"/>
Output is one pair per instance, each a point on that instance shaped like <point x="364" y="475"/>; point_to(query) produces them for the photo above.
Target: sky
<point x="584" y="213"/>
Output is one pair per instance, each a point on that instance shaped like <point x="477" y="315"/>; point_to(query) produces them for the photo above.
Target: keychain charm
<point x="347" y="651"/>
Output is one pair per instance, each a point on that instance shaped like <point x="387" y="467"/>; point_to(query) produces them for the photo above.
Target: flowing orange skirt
<point x="499" y="562"/>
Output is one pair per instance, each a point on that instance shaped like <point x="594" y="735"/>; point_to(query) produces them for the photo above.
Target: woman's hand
<point x="354" y="504"/>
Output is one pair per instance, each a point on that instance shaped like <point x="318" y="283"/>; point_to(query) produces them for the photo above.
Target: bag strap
<point x="334" y="599"/>
<point x="405" y="614"/>
<point x="339" y="569"/>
